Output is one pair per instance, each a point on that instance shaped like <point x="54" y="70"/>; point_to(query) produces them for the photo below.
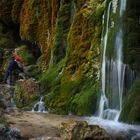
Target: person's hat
<point x="17" y="59"/>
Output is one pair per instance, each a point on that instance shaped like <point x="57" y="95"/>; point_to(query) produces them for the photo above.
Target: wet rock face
<point x="78" y="130"/>
<point x="7" y="133"/>
<point x="132" y="35"/>
<point x="80" y="40"/>
<point x="38" y="22"/>
<point x="5" y="10"/>
<point x="130" y="112"/>
<point x="63" y="29"/>
<point x="33" y="20"/>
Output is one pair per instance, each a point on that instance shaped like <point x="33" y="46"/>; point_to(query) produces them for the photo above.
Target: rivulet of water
<point x="103" y="100"/>
<point x="39" y="106"/>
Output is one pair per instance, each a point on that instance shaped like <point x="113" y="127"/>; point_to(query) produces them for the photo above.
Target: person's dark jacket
<point x="13" y="65"/>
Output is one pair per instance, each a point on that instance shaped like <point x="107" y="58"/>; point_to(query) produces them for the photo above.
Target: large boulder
<point x="26" y="92"/>
<point x="7" y="133"/>
<point x="80" y="130"/>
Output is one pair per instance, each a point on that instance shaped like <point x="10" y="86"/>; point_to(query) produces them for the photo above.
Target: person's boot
<point x="11" y="83"/>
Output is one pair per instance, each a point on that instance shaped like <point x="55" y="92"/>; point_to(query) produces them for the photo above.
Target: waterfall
<point x="116" y="76"/>
<point x="113" y="69"/>
<point x="122" y="7"/>
<point x="39" y="106"/>
<point x="103" y="100"/>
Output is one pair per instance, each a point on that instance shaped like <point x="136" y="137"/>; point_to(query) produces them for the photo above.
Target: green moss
<point x="62" y="28"/>
<point x="51" y="77"/>
<point x="80" y="74"/>
<point x="61" y="91"/>
<point x="61" y="101"/>
<point x="26" y="93"/>
<point x="97" y="12"/>
<point x="78" y="96"/>
<point x="130" y="112"/>
<point x="75" y="87"/>
<point x="84" y="103"/>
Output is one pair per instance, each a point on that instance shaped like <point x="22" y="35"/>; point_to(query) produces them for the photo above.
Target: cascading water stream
<point x="39" y="106"/>
<point x="103" y="100"/>
<point x="113" y="70"/>
<point x="115" y="75"/>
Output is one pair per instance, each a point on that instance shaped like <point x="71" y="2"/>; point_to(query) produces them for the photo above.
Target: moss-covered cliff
<point x="132" y="35"/>
<point x="68" y="33"/>
<point x="130" y="111"/>
<point x="72" y="79"/>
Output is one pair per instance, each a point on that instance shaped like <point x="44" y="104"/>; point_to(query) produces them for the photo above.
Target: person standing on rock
<point x="19" y="61"/>
<point x="13" y="65"/>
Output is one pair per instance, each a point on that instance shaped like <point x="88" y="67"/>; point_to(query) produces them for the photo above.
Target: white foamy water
<point x="117" y="129"/>
<point x="40" y="106"/>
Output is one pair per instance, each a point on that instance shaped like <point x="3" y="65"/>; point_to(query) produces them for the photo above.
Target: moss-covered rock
<point x="9" y="133"/>
<point x="85" y="102"/>
<point x="26" y="93"/>
<point x="130" y="112"/>
<point x="51" y="77"/>
<point x="80" y="130"/>
<point x="132" y="35"/>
